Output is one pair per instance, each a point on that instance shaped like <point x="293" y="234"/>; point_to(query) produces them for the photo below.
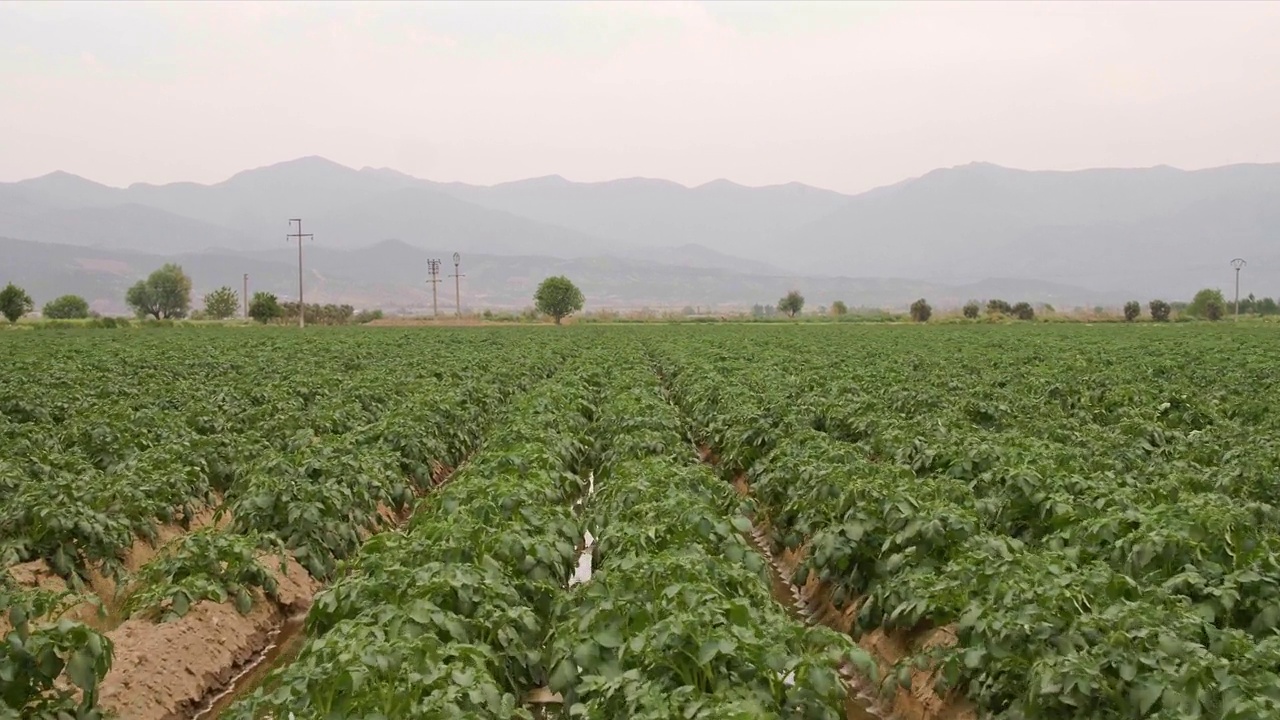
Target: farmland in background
<point x="806" y="521"/>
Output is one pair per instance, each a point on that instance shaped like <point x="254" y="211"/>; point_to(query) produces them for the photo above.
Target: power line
<point x="300" y="236"/>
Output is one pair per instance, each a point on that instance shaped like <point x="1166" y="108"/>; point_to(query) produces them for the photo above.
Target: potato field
<point x="811" y="522"/>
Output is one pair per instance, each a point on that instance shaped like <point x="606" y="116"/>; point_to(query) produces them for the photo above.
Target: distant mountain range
<point x="1070" y="238"/>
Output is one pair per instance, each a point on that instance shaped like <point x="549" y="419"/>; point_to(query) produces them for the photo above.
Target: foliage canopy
<point x="558" y="297"/>
<point x="165" y="294"/>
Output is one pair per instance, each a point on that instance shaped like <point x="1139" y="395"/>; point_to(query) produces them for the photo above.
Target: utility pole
<point x="300" y="236"/>
<point x="246" y="296"/>
<point x="1238" y="263"/>
<point x="433" y="267"/>
<point x="457" y="283"/>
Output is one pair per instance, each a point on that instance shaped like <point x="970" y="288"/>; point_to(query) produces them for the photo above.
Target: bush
<point x="221" y="303"/>
<point x="365" y="316"/>
<point x="67" y="307"/>
<point x="999" y="307"/>
<point x="920" y="310"/>
<point x="838" y="309"/>
<point x="1201" y="304"/>
<point x="1132" y="310"/>
<point x="1159" y="310"/>
<point x="265" y="307"/>
<point x="971" y="309"/>
<point x="1023" y="311"/>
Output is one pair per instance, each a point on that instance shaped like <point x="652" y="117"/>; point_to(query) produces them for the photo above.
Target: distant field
<point x="646" y="521"/>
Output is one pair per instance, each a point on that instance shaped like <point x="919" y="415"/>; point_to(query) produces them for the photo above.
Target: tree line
<point x="166" y="295"/>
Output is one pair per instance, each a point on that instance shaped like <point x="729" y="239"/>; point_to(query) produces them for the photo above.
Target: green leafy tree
<point x="1200" y="304"/>
<point x="921" y="310"/>
<point x="1267" y="306"/>
<point x="265" y="307"/>
<point x="221" y="303"/>
<point x="1023" y="311"/>
<point x="14" y="302"/>
<point x="558" y="297"/>
<point x="1213" y="310"/>
<point x="839" y="309"/>
<point x="1132" y="310"/>
<point x="971" y="309"/>
<point x="67" y="307"/>
<point x="999" y="307"/>
<point x="1160" y="310"/>
<point x="792" y="303"/>
<point x="166" y="293"/>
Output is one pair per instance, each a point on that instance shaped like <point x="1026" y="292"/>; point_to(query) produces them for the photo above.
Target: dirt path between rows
<point x="178" y="669"/>
<point x="165" y="671"/>
<point x="812" y="602"/>
<point x="103" y="614"/>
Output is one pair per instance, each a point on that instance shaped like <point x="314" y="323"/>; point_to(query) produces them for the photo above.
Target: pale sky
<point x="841" y="95"/>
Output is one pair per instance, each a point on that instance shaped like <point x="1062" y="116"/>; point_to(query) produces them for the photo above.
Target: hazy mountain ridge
<point x="1153" y="231"/>
<point x="1101" y="233"/>
<point x="388" y="275"/>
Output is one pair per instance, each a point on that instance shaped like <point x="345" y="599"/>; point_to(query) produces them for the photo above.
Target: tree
<point x="1023" y="311"/>
<point x="971" y="309"/>
<point x="839" y="309"/>
<point x="221" y="303"/>
<point x="67" y="307"/>
<point x="265" y="307"/>
<point x="166" y="293"/>
<point x="792" y="303"/>
<point x="1159" y="310"/>
<point x="1204" y="300"/>
<point x="1132" y="310"/>
<point x="15" y="302"/>
<point x="920" y="310"/>
<point x="558" y="297"/>
<point x="1267" y="306"/>
<point x="999" y="307"/>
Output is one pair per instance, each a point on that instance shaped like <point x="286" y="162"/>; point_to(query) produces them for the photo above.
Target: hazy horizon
<point x="844" y="96"/>
<point x="287" y="161"/>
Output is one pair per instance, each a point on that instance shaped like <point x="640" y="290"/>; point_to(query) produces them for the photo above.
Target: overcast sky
<point x="845" y="96"/>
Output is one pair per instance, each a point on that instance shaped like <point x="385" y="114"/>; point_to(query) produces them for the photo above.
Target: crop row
<point x="677" y="619"/>
<point x="306" y="465"/>
<point x="448" y="617"/>
<point x="1086" y="569"/>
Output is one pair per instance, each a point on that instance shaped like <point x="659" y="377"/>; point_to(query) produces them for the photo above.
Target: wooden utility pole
<point x="433" y="267"/>
<point x="457" y="283"/>
<point x="300" y="236"/>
